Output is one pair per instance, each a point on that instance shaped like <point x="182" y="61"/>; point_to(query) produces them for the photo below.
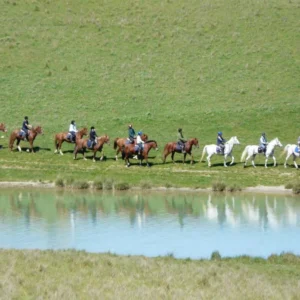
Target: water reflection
<point x="96" y="222"/>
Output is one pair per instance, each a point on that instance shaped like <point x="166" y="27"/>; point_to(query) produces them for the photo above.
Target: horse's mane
<point x="150" y="141"/>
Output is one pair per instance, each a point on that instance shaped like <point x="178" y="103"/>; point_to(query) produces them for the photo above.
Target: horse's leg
<point x="295" y="163"/>
<point x="225" y="157"/>
<point x="184" y="157"/>
<point x="117" y="153"/>
<point x="75" y="152"/>
<point x="287" y="157"/>
<point x="172" y="156"/>
<point x="192" y="161"/>
<point x="246" y="160"/>
<point x="274" y="158"/>
<point x="83" y="153"/>
<point x="18" y="146"/>
<point x="102" y="156"/>
<point x="59" y="147"/>
<point x="31" y="147"/>
<point x="94" y="156"/>
<point x="166" y="153"/>
<point x="253" y="164"/>
<point x="232" y="159"/>
<point x="208" y="160"/>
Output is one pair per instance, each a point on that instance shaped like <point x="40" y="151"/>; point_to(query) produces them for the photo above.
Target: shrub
<point x="121" y="186"/>
<point x="80" y="184"/>
<point x="146" y="185"/>
<point x="234" y="188"/>
<point x="108" y="184"/>
<point x="98" y="185"/>
<point x="289" y="186"/>
<point x="216" y="256"/>
<point x="69" y="182"/>
<point x="59" y="182"/>
<point x="218" y="186"/>
<point x="296" y="188"/>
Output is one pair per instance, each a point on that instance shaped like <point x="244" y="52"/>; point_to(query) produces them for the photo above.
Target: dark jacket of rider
<point x="93" y="134"/>
<point x="131" y="133"/>
<point x="25" y="125"/>
<point x="220" y="139"/>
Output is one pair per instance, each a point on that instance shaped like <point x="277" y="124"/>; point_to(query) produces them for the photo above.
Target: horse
<point x="173" y="147"/>
<point x="2" y="127"/>
<point x="291" y="150"/>
<point x="83" y="144"/>
<point x="119" y="143"/>
<point x="129" y="150"/>
<point x="62" y="137"/>
<point x="15" y="135"/>
<point x="252" y="150"/>
<point x="214" y="149"/>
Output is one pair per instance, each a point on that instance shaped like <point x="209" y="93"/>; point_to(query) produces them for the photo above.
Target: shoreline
<point x="51" y="185"/>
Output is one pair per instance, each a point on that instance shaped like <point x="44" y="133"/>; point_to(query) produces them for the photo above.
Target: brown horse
<point x="82" y="144"/>
<point x="119" y="143"/>
<point x="172" y="148"/>
<point x="62" y="137"/>
<point x="15" y="135"/>
<point x="2" y="127"/>
<point x="130" y="150"/>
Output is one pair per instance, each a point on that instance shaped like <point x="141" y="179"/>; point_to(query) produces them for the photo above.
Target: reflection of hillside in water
<point x="258" y="210"/>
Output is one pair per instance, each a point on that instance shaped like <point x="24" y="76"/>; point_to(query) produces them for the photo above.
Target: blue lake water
<point x="150" y="224"/>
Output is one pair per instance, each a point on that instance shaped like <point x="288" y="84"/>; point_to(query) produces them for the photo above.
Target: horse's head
<point x="144" y="137"/>
<point x="2" y="127"/>
<point x="83" y="131"/>
<point x="152" y="144"/>
<point x="38" y="130"/>
<point x="195" y="142"/>
<point x="103" y="139"/>
<point x="278" y="143"/>
<point x="235" y="140"/>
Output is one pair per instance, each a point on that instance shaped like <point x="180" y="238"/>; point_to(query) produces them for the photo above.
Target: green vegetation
<point x="204" y="66"/>
<point x="72" y="274"/>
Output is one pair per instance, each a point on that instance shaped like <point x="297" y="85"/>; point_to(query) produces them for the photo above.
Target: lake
<point x="150" y="223"/>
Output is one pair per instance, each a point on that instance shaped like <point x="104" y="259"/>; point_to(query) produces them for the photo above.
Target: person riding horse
<point x="131" y="134"/>
<point x="263" y="143"/>
<point x="221" y="141"/>
<point x="93" y="136"/>
<point x="26" y="127"/>
<point x="181" y="140"/>
<point x="139" y="142"/>
<point x="73" y="130"/>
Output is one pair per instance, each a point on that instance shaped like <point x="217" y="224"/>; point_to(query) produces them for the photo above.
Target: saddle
<point x="179" y="146"/>
<point x="70" y="138"/>
<point x="22" y="134"/>
<point x="90" y="144"/>
<point x="261" y="149"/>
<point x="128" y="142"/>
<point x="220" y="150"/>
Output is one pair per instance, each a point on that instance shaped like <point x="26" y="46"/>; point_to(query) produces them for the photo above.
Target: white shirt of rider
<point x="72" y="128"/>
<point x="263" y="140"/>
<point x="139" y="140"/>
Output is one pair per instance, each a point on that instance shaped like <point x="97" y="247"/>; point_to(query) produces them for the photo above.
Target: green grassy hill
<point x="201" y="65"/>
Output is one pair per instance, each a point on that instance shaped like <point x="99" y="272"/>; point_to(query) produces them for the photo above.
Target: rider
<point x="26" y="127"/>
<point x="93" y="136"/>
<point x="139" y="142"/>
<point x="263" y="143"/>
<point x="221" y="141"/>
<point x="73" y="130"/>
<point x="131" y="134"/>
<point x="180" y="140"/>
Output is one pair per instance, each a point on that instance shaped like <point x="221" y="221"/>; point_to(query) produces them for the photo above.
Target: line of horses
<point x="129" y="150"/>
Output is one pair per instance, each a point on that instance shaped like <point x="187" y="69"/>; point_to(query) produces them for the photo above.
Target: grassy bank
<point x="70" y="274"/>
<point x="204" y="66"/>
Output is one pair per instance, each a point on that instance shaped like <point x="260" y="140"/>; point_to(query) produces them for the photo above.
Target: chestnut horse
<point x="130" y="150"/>
<point x="82" y="144"/>
<point x="15" y="135"/>
<point x="2" y="127"/>
<point x="62" y="137"/>
<point x="119" y="143"/>
<point x="172" y="147"/>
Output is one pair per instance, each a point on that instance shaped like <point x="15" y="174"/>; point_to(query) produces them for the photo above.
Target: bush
<point x="69" y="182"/>
<point x="122" y="186"/>
<point x="234" y="188"/>
<point x="296" y="188"/>
<point x="289" y="186"/>
<point x="98" y="185"/>
<point x="146" y="185"/>
<point x="59" y="182"/>
<point x="218" y="186"/>
<point x="216" y="256"/>
<point x="108" y="184"/>
<point x="82" y="185"/>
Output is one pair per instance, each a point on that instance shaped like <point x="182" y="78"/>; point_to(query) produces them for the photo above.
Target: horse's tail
<point x="285" y="150"/>
<point x="203" y="152"/>
<point x="116" y="143"/>
<point x="55" y="142"/>
<point x="11" y="140"/>
<point x="244" y="154"/>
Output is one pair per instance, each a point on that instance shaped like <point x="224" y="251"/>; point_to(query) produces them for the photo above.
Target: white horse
<point x="291" y="150"/>
<point x="252" y="150"/>
<point x="212" y="149"/>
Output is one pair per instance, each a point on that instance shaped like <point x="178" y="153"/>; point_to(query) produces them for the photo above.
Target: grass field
<point x="204" y="65"/>
<point x="79" y="275"/>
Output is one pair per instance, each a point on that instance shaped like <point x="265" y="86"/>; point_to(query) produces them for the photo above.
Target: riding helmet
<point x="263" y="134"/>
<point x="72" y="122"/>
<point x="26" y="118"/>
<point x="140" y="133"/>
<point x="179" y="129"/>
<point x="92" y="127"/>
<point x="220" y="133"/>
